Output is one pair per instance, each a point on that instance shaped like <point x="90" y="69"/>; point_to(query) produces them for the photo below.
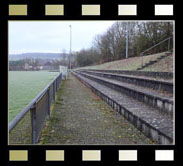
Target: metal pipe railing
<point x="32" y="107"/>
<point x="167" y="39"/>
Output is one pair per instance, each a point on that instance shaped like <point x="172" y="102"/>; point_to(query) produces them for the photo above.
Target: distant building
<point x="48" y="66"/>
<point x="41" y="67"/>
<point x="26" y="66"/>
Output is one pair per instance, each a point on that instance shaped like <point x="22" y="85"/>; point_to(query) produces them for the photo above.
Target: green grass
<point x="24" y="86"/>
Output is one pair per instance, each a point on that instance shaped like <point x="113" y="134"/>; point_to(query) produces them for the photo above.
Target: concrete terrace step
<point x="164" y="86"/>
<point x="155" y="125"/>
<point x="150" y="97"/>
<point x="146" y="74"/>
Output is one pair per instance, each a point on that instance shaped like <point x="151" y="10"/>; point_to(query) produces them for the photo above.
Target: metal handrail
<point x="167" y="39"/>
<point x="156" y="45"/>
<point x="15" y="121"/>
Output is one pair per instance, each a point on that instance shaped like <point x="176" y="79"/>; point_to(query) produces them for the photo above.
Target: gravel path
<point x="80" y="117"/>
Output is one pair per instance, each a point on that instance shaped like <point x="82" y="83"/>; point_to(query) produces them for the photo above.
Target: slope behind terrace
<point x="165" y="64"/>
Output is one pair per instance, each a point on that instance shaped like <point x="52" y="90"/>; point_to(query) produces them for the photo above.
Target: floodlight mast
<point x="70" y="46"/>
<point x="127" y="40"/>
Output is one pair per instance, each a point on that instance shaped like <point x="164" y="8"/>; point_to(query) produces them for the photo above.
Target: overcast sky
<point x="53" y="36"/>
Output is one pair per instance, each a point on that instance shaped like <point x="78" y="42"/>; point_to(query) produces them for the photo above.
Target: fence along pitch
<point x="39" y="108"/>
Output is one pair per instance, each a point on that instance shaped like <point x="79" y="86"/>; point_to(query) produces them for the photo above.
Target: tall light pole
<point x="70" y="46"/>
<point x="127" y="40"/>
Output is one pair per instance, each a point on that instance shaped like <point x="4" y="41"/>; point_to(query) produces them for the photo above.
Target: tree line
<point x="111" y="45"/>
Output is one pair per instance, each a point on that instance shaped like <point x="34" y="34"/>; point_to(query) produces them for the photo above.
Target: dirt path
<point x="81" y="117"/>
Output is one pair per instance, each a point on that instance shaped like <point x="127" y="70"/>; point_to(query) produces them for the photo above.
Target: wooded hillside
<point x="111" y="45"/>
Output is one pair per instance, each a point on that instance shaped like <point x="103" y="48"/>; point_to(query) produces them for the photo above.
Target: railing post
<point x="54" y="91"/>
<point x="142" y="59"/>
<point x="56" y="85"/>
<point x="33" y="124"/>
<point x="60" y="79"/>
<point x="169" y="44"/>
<point x="48" y="91"/>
